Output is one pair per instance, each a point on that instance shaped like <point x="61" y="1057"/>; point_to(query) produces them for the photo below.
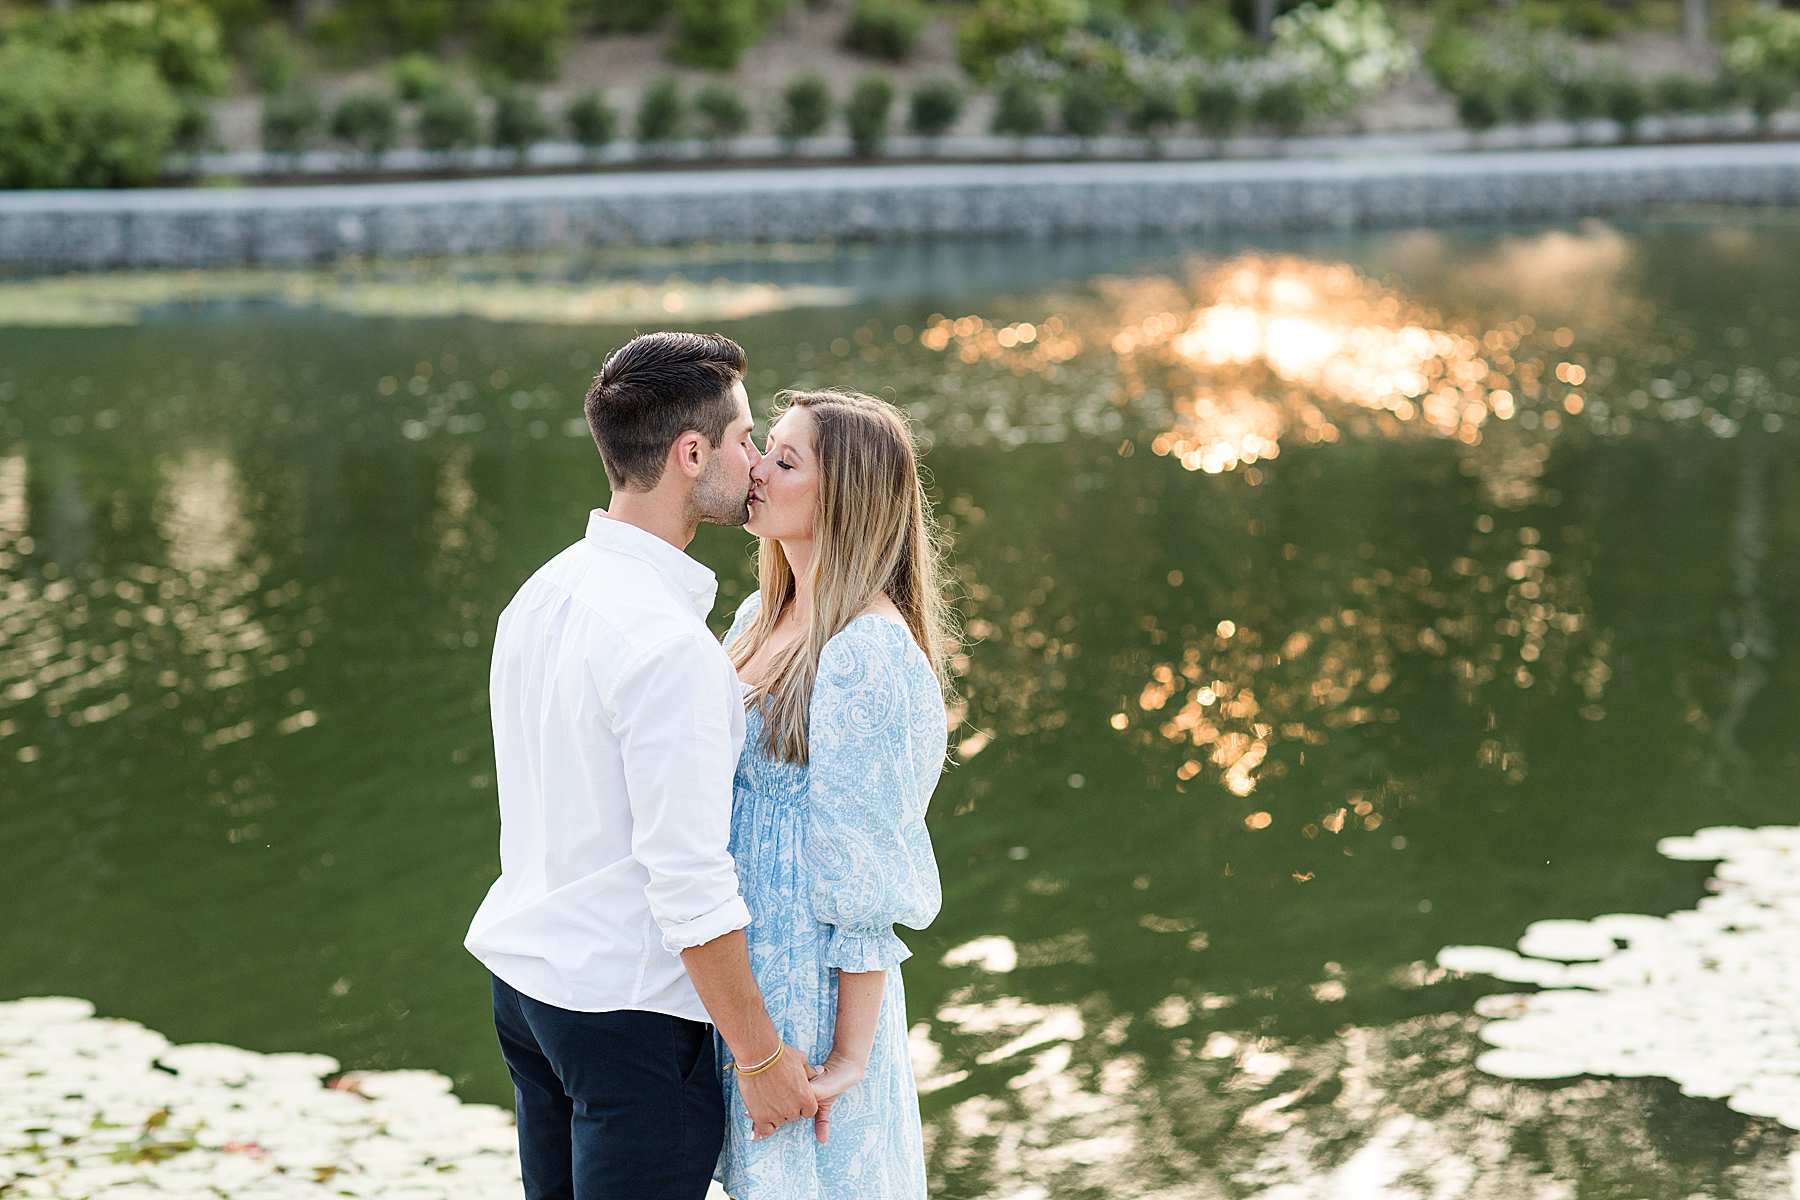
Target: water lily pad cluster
<point x="1703" y="997"/>
<point x="93" y="1108"/>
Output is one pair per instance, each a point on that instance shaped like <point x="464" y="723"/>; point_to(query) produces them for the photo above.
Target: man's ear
<point x="689" y="453"/>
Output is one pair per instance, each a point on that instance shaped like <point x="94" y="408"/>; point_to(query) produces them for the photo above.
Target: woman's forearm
<point x="859" y="1010"/>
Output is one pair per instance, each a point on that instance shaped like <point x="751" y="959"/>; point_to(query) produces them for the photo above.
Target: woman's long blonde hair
<point x="873" y="532"/>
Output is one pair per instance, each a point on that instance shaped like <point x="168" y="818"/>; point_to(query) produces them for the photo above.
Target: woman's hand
<point x="837" y="1075"/>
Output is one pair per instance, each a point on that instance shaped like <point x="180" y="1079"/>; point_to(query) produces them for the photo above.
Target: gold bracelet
<point x="762" y="1066"/>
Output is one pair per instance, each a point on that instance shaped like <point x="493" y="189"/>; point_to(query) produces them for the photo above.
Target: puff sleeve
<point x="876" y="736"/>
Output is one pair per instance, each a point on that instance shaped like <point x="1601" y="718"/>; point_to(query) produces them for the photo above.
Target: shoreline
<point x="199" y="227"/>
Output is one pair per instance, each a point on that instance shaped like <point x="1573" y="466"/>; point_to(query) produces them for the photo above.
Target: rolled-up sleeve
<point x="671" y="713"/>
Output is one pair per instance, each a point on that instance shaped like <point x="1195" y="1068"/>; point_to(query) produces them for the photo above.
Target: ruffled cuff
<point x="873" y="948"/>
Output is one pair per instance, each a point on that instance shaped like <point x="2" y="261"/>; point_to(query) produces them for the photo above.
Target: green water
<point x="1447" y="679"/>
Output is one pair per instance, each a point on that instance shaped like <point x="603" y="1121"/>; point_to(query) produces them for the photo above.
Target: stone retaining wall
<point x="46" y="231"/>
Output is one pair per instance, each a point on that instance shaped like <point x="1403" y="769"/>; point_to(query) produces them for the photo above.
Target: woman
<point x="841" y="653"/>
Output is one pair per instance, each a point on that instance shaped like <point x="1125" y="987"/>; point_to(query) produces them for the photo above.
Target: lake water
<point x="1329" y="603"/>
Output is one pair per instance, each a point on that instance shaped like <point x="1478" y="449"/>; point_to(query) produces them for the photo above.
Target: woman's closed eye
<point x="784" y="464"/>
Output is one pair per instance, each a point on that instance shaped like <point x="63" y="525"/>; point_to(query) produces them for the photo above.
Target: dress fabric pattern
<point x="830" y="857"/>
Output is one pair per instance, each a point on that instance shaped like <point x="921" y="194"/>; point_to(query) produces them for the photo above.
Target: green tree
<point x="418" y="76"/>
<point x="368" y="122"/>
<point x="1001" y="27"/>
<point x="523" y="39"/>
<point x="722" y="112"/>
<point x="1018" y="108"/>
<point x="290" y="122"/>
<point x="81" y="120"/>
<point x="1087" y="106"/>
<point x="591" y="120"/>
<point x="884" y="29"/>
<point x="662" y="112"/>
<point x="934" y="107"/>
<point x="518" y="123"/>
<point x="866" y="113"/>
<point x="448" y="122"/>
<point x="714" y="33"/>
<point x="806" y="108"/>
<point x="181" y="41"/>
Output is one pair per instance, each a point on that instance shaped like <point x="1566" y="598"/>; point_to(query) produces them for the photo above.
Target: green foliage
<point x="662" y="111"/>
<point x="1212" y="32"/>
<point x="1282" y="107"/>
<point x="367" y="121"/>
<point x="290" y="122"/>
<point x="356" y="29"/>
<point x="866" y="114"/>
<point x="87" y="120"/>
<point x="884" y="29"/>
<point x="1626" y="102"/>
<point x="1018" y="108"/>
<point x="418" y="77"/>
<point x="1767" y="92"/>
<point x="1582" y="99"/>
<point x="518" y="121"/>
<point x="1155" y="109"/>
<point x="715" y="33"/>
<point x="178" y="38"/>
<point x="935" y="106"/>
<point x="806" y="108"/>
<point x="591" y="120"/>
<point x="1087" y="106"/>
<point x="274" y="60"/>
<point x="1480" y="106"/>
<point x="193" y="132"/>
<point x="1527" y="97"/>
<point x="629" y="16"/>
<point x="1002" y="27"/>
<point x="448" y="122"/>
<point x="1763" y="39"/>
<point x="1684" y="94"/>
<point x="523" y="39"/>
<point x="722" y="112"/>
<point x="1218" y="106"/>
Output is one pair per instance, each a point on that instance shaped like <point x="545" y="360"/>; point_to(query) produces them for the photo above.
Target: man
<point x="615" y="931"/>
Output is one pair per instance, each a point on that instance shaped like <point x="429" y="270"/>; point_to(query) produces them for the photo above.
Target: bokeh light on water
<point x="1327" y="605"/>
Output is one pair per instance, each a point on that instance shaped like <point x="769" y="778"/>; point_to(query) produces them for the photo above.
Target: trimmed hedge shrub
<point x="1283" y="107"/>
<point x="1582" y="98"/>
<point x="81" y="120"/>
<point x="356" y="29"/>
<point x="591" y="120"/>
<point x="884" y="29"/>
<point x="1527" y="97"/>
<point x="518" y="121"/>
<point x="806" y="108"/>
<point x="1480" y="106"/>
<point x="935" y="106"/>
<point x="1684" y="94"/>
<point x="448" y="122"/>
<point x="1018" y="108"/>
<point x="628" y="16"/>
<point x="722" y="112"/>
<point x="1219" y="108"/>
<point x="523" y="39"/>
<point x="1087" y="107"/>
<point x="866" y="113"/>
<point x="1155" y="109"/>
<point x="1627" y="103"/>
<point x="368" y="122"/>
<point x="290" y="122"/>
<point x="662" y="111"/>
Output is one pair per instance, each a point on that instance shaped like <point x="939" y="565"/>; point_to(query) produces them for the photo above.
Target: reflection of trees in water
<point x="1389" y="1110"/>
<point x="88" y="645"/>
<point x="463" y="539"/>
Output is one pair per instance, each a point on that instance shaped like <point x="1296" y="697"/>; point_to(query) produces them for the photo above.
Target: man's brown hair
<point x="652" y="390"/>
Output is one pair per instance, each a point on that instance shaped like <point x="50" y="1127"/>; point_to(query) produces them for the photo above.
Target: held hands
<point x="837" y="1075"/>
<point x="779" y="1094"/>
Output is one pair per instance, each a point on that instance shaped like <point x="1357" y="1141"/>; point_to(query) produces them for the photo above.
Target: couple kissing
<point x="705" y="848"/>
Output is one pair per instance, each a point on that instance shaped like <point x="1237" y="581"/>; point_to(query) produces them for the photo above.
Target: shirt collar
<point x="700" y="584"/>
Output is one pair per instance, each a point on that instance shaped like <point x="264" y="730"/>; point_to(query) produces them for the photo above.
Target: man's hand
<point x="778" y="1094"/>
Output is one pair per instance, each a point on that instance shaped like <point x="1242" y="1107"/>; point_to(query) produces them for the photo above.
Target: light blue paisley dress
<point x="830" y="857"/>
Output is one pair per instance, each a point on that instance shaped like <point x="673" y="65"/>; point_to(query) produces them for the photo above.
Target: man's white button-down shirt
<point x="617" y="726"/>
